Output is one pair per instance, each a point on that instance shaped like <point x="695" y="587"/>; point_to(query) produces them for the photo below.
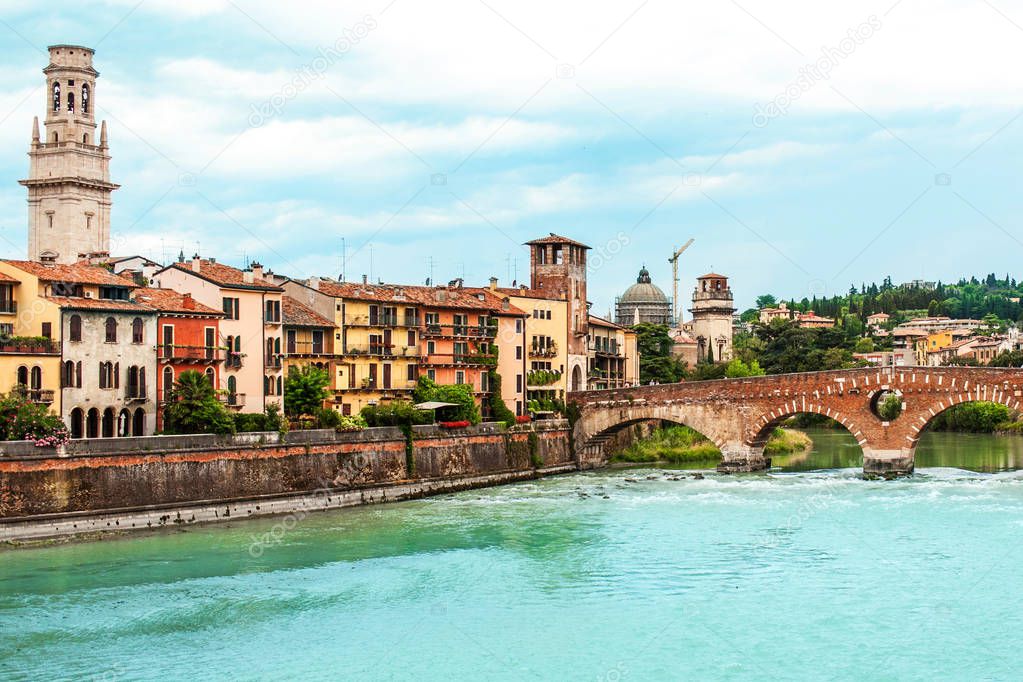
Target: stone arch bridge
<point x="738" y="415"/>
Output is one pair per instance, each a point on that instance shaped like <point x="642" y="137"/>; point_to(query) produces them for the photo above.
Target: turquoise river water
<point x="807" y="572"/>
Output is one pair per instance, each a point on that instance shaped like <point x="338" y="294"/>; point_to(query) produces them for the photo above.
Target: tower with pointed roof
<point x="69" y="188"/>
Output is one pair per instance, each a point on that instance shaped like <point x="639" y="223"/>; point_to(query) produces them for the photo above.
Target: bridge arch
<point x="758" y="435"/>
<point x="979" y="393"/>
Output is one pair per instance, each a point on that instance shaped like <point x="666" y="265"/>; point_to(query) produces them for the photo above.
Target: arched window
<point x="280" y="386"/>
<point x="77" y="423"/>
<point x="117" y="375"/>
<point x="111" y="327"/>
<point x="211" y="376"/>
<point x="56" y="97"/>
<point x="237" y="344"/>
<point x="55" y="139"/>
<point x="75" y="328"/>
<point x="108" y="423"/>
<point x="23" y="376"/>
<point x="71" y="102"/>
<point x="138" y="425"/>
<point x="36" y="381"/>
<point x="232" y="385"/>
<point x="142" y="382"/>
<point x="85" y="138"/>
<point x="267" y="386"/>
<point x="104" y="375"/>
<point x="124" y="423"/>
<point x="168" y="384"/>
<point x="92" y="424"/>
<point x="137" y="331"/>
<point x="67" y="376"/>
<point x="78" y="374"/>
<point x="277" y="345"/>
<point x="85" y="98"/>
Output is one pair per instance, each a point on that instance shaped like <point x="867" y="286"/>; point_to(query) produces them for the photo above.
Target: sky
<point x="805" y="147"/>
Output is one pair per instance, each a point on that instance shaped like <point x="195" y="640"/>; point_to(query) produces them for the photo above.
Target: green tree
<point x="864" y="345"/>
<point x="305" y="389"/>
<point x="194" y="407"/>
<point x="736" y="368"/>
<point x="766" y="301"/>
<point x="427" y="390"/>
<point x="656" y="363"/>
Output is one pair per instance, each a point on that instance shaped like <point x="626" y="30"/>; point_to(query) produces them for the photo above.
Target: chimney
<point x="505" y="303"/>
<point x="187" y="302"/>
<point x="493" y="284"/>
<point x="314" y="283"/>
<point x="257" y="269"/>
<point x="365" y="279"/>
<point x="196" y="263"/>
<point x="247" y="276"/>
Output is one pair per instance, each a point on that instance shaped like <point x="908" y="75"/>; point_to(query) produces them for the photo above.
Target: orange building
<point x="188" y="338"/>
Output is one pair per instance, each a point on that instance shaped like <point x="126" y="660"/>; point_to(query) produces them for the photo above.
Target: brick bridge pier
<point x="738" y="415"/>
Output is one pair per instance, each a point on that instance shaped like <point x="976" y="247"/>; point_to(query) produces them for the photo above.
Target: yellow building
<point x="934" y="341"/>
<point x="309" y="340"/>
<point x="29" y="338"/>
<point x="546" y="341"/>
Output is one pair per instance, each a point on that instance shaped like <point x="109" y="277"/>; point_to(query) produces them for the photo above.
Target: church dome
<point x="643" y="291"/>
<point x="643" y="302"/>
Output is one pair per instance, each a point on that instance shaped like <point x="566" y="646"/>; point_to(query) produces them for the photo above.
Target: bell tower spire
<point x="69" y="188"/>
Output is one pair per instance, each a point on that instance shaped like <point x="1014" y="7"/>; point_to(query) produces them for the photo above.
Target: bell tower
<point x="68" y="182"/>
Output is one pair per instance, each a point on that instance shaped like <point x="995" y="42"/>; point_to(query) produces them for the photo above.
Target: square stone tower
<point x="68" y="182"/>
<point x="557" y="267"/>
<point x="712" y="318"/>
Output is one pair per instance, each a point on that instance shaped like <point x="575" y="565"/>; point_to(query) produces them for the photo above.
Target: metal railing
<point x="232" y="399"/>
<point x="10" y="306"/>
<point x="194" y="353"/>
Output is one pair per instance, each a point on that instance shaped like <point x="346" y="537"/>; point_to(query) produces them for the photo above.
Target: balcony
<point x="232" y="399"/>
<point x="611" y="350"/>
<point x="234" y="360"/>
<point x="8" y="306"/>
<point x="135" y="394"/>
<point x="29" y="345"/>
<point x="41" y="396"/>
<point x="306" y="348"/>
<point x="272" y="362"/>
<point x="200" y="354"/>
<point x="543" y="351"/>
<point x="459" y="360"/>
<point x="479" y="331"/>
<point x="381" y="320"/>
<point x="272" y="320"/>
<point x="381" y="350"/>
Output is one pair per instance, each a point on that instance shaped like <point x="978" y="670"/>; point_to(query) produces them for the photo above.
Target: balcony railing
<point x="381" y="350"/>
<point x="232" y="399"/>
<point x="9" y="306"/>
<point x="611" y="349"/>
<point x="460" y="359"/>
<point x="306" y="348"/>
<point x="42" y="396"/>
<point x="190" y="353"/>
<point x="479" y="331"/>
<point x="234" y="360"/>
<point x="381" y="320"/>
<point x="134" y="393"/>
<point x="273" y="362"/>
<point x="29" y="346"/>
<point x="543" y="352"/>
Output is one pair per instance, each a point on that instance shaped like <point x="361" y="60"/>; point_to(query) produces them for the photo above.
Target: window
<point x="47" y="330"/>
<point x="36" y="381"/>
<point x="56" y="96"/>
<point x="410" y="373"/>
<point x="106" y="379"/>
<point x="280" y="386"/>
<point x="137" y="331"/>
<point x="168" y="384"/>
<point x="67" y="374"/>
<point x="114" y="293"/>
<point x="485" y="381"/>
<point x="78" y="374"/>
<point x="23" y="376"/>
<point x="231" y="308"/>
<point x="232" y="385"/>
<point x="292" y="341"/>
<point x="317" y="341"/>
<point x="518" y="352"/>
<point x="411" y="341"/>
<point x="210" y="339"/>
<point x="85" y="98"/>
<point x="387" y="375"/>
<point x="460" y="377"/>
<point x="75" y="328"/>
<point x="71" y="102"/>
<point x="431" y="347"/>
<point x="273" y="311"/>
<point x="111" y="330"/>
<point x="518" y="326"/>
<point x="210" y="376"/>
<point x="518" y="383"/>
<point x="432" y="373"/>
<point x="66" y="288"/>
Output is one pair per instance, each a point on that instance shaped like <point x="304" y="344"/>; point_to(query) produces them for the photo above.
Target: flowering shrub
<point x="53" y="440"/>
<point x="523" y="419"/>
<point x="21" y="419"/>
<point x="351" y="423"/>
<point x="460" y="424"/>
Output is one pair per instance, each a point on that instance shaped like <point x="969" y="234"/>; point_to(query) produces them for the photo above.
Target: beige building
<point x="782" y="312"/>
<point x="613" y="355"/>
<point x="251" y="328"/>
<point x="68" y="183"/>
<point x="711" y="325"/>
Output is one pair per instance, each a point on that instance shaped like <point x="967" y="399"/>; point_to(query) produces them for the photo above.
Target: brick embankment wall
<point x="146" y="482"/>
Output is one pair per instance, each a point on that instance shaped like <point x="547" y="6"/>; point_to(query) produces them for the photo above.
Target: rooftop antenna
<point x="344" y="256"/>
<point x="429" y="261"/>
<point x="371" y="262"/>
<point x="674" y="275"/>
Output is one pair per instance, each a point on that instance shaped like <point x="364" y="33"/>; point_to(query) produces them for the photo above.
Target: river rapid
<point x="806" y="572"/>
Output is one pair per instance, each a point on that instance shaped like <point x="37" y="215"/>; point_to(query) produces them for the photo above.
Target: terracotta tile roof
<point x="170" y="301"/>
<point x="225" y="276"/>
<point x="77" y="273"/>
<point x="4" y="277"/>
<point x="529" y="293"/>
<point x="712" y="275"/>
<point x="556" y="239"/>
<point x="470" y="298"/>
<point x="601" y="322"/>
<point x="79" y="303"/>
<point x="297" y="314"/>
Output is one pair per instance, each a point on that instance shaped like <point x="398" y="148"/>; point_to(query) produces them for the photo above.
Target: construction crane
<point x="674" y="274"/>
